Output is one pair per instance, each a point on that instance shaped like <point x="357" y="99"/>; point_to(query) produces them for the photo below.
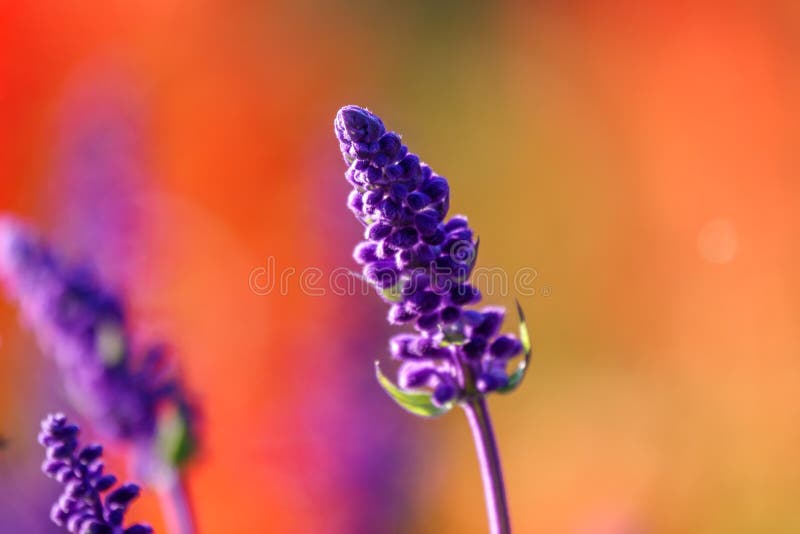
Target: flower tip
<point x="16" y="242"/>
<point x="6" y="221"/>
<point x="53" y="421"/>
<point x="8" y="231"/>
<point x="123" y="495"/>
<point x="355" y="124"/>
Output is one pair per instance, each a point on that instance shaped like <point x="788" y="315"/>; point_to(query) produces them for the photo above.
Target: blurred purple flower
<point x="81" y="507"/>
<point x="84" y="327"/>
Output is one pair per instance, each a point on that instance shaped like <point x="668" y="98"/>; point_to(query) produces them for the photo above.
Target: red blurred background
<point x="642" y="158"/>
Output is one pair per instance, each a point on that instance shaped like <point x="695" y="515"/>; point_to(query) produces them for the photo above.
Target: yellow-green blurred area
<point x="641" y="159"/>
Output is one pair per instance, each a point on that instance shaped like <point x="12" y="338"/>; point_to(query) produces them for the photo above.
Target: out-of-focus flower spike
<point x="84" y="327"/>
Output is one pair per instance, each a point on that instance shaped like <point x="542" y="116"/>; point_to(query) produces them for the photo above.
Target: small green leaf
<point x="175" y="441"/>
<point x="524" y="336"/>
<point x="418" y="402"/>
<point x="393" y="293"/>
<point x="452" y="337"/>
<point x="111" y="343"/>
<point x="475" y="253"/>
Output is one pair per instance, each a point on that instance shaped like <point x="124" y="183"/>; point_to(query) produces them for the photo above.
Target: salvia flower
<point x="420" y="261"/>
<point x="83" y="325"/>
<point x="88" y="504"/>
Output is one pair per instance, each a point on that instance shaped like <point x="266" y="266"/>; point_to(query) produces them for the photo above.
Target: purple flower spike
<point x="81" y="507"/>
<point x="413" y="253"/>
<point x="421" y="264"/>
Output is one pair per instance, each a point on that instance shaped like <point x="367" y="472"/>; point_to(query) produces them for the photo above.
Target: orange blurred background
<point x="641" y="158"/>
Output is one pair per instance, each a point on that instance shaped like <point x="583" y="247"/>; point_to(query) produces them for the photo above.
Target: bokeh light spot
<point x="717" y="241"/>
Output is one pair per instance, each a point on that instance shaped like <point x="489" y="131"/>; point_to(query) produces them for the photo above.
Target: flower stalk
<point x="176" y="506"/>
<point x="420" y="262"/>
<point x="480" y="423"/>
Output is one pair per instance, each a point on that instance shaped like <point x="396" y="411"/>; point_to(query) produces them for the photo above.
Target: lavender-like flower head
<point x="420" y="262"/>
<point x="84" y="327"/>
<point x="82" y="509"/>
